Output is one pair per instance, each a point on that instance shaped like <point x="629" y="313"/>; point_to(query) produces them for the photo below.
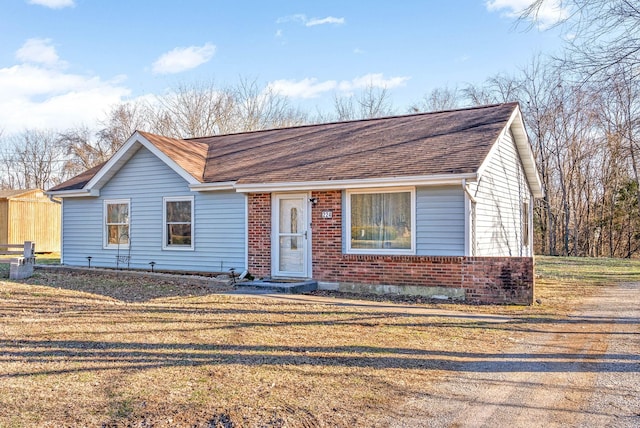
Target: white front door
<point x="291" y="235"/>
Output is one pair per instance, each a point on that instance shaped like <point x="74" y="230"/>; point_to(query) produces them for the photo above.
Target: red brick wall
<point x="259" y="230"/>
<point x="484" y="279"/>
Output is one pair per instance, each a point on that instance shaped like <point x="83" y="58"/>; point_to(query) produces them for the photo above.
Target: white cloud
<point x="358" y="51"/>
<point x="328" y="20"/>
<point x="551" y="11"/>
<point x="375" y="80"/>
<point x="53" y="4"/>
<point x="305" y="88"/>
<point x="312" y="88"/>
<point x="35" y="95"/>
<point x="39" y="51"/>
<point x="183" y="59"/>
<point x="310" y="22"/>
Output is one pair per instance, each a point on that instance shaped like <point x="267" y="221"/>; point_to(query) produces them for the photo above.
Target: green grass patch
<point x="591" y="271"/>
<point x="48" y="259"/>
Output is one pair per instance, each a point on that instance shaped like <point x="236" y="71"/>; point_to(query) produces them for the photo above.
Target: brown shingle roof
<point x="448" y="142"/>
<point x="79" y="181"/>
<point x="189" y="155"/>
<point x="421" y="144"/>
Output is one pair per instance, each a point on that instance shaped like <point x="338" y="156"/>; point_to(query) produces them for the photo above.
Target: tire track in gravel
<point x="581" y="371"/>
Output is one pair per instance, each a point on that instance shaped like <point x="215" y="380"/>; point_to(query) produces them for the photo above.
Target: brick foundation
<point x="483" y="279"/>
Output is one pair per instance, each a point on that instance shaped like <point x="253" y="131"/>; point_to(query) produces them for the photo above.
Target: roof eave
<point x="73" y="193"/>
<point x="516" y="124"/>
<point x="204" y="187"/>
<point x="428" y="180"/>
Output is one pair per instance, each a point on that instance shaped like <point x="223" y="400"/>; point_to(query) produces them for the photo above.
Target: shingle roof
<point x="189" y="155"/>
<point x="421" y="144"/>
<point x="448" y="142"/>
<point x="79" y="181"/>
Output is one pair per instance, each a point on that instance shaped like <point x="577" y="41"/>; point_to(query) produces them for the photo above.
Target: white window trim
<point x="105" y="234"/>
<point x="164" y="223"/>
<point x="526" y="224"/>
<point x="382" y="251"/>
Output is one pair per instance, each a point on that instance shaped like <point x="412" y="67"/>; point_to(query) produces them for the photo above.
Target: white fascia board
<point x="75" y="193"/>
<point x="524" y="151"/>
<point x="527" y="156"/>
<point x="429" y="180"/>
<point x="125" y="153"/>
<point x="212" y="187"/>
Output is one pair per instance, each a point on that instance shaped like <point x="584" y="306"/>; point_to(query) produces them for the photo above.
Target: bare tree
<point x="122" y="121"/>
<point x="369" y="103"/>
<point x="32" y="159"/>
<point x="257" y="108"/>
<point x="604" y="33"/>
<point x="201" y="109"/>
<point x="438" y="99"/>
<point x="496" y="89"/>
<point x="192" y="110"/>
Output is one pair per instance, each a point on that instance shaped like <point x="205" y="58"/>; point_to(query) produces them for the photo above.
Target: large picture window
<point x="116" y="223"/>
<point x="381" y="221"/>
<point x="178" y="223"/>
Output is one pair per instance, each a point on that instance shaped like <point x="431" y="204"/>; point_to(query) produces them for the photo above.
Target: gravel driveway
<point x="580" y="371"/>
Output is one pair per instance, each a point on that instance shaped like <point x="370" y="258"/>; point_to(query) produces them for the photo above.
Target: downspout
<point x="470" y="220"/>
<point x="467" y="191"/>
<point x="52" y="199"/>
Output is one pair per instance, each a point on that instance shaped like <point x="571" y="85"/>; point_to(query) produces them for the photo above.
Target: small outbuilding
<point x="29" y="215"/>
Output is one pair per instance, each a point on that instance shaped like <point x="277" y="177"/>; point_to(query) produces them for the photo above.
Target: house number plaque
<point x="327" y="214"/>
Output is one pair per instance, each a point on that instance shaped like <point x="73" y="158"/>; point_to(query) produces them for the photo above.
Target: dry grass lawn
<point x="78" y="350"/>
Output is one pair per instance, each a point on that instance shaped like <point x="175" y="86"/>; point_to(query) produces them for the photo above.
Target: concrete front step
<point x="287" y="286"/>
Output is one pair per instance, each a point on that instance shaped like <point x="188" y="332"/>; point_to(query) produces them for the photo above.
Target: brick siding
<point x="259" y="230"/>
<point x="484" y="279"/>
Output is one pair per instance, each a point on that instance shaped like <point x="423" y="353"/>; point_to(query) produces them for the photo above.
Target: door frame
<point x="275" y="241"/>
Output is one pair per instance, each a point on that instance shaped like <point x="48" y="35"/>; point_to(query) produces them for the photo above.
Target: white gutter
<point x="203" y="187"/>
<point x="75" y="193"/>
<point x="432" y="180"/>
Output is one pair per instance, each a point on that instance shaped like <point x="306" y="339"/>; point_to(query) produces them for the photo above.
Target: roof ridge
<point x="371" y="119"/>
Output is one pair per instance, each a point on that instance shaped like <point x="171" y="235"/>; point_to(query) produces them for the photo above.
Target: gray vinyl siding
<point x="440" y="221"/>
<point x="219" y="235"/>
<point x="500" y="194"/>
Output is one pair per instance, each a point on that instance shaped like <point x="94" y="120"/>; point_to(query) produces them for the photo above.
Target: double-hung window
<point x="116" y="223"/>
<point x="381" y="221"/>
<point x="526" y="218"/>
<point x="178" y="223"/>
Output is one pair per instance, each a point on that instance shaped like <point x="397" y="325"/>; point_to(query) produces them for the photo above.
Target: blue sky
<point x="63" y="63"/>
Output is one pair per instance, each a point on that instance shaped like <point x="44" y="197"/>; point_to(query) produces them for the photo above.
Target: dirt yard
<point x="582" y="370"/>
<point x="79" y="350"/>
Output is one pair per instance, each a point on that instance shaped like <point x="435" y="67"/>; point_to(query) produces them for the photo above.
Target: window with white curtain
<point x="381" y="221"/>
